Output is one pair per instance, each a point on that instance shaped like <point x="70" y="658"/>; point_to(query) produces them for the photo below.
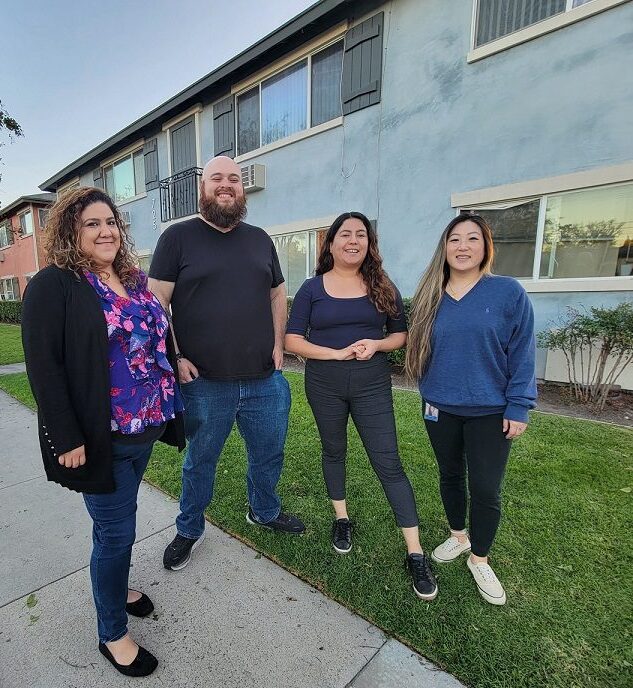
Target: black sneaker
<point x="342" y="535"/>
<point x="178" y="552"/>
<point x="284" y="523"/>
<point x="424" y="584"/>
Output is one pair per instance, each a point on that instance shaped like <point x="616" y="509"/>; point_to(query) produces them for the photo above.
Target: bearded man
<point x="222" y="280"/>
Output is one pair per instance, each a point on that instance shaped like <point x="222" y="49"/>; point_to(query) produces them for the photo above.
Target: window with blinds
<point x="299" y="97"/>
<point x="498" y="18"/>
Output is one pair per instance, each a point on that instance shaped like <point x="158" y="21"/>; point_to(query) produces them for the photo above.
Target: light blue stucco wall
<point x="558" y="104"/>
<point x="543" y="108"/>
<point x="547" y="107"/>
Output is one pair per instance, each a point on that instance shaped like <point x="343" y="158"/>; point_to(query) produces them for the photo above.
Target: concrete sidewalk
<point x="231" y="618"/>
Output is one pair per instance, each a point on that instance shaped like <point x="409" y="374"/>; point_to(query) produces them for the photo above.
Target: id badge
<point x="431" y="413"/>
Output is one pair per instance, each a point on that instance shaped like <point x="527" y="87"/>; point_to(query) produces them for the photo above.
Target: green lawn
<point x="564" y="550"/>
<point x="10" y="344"/>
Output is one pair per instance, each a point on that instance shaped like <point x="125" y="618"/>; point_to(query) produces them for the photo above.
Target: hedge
<point x="11" y="312"/>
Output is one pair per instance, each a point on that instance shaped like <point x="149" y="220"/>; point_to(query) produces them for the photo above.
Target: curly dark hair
<point x="62" y="235"/>
<point x="380" y="289"/>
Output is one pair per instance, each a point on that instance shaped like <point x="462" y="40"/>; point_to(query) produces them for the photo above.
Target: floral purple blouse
<point x="143" y="389"/>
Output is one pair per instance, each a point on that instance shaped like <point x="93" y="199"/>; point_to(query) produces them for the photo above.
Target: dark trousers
<point x="336" y="389"/>
<point x="476" y="443"/>
<point x="113" y="532"/>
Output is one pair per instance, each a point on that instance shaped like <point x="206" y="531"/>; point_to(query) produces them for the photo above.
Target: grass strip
<point x="563" y="552"/>
<point x="10" y="344"/>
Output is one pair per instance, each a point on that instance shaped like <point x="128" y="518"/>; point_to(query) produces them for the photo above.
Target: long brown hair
<point x="380" y="290"/>
<point x="62" y="229"/>
<point x="428" y="295"/>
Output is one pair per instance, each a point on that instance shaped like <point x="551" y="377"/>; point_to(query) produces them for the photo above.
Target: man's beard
<point x="223" y="216"/>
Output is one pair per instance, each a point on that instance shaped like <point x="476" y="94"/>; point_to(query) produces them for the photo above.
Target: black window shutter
<point x="362" y="65"/>
<point x="224" y="128"/>
<point x="150" y="158"/>
<point x="97" y="178"/>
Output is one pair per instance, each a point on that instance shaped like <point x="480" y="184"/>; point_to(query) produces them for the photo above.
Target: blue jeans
<point x="114" y="530"/>
<point x="260" y="408"/>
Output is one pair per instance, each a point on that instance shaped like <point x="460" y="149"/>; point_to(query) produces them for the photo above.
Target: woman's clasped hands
<point x="362" y="350"/>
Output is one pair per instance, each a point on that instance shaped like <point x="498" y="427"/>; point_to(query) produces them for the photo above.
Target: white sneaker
<point x="487" y="582"/>
<point x="449" y="550"/>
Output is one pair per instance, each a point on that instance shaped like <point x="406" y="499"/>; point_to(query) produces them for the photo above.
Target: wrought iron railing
<point x="179" y="194"/>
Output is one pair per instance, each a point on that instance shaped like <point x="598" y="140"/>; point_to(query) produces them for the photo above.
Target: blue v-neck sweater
<point x="482" y="352"/>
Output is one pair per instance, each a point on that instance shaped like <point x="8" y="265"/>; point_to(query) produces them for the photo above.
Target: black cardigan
<point x="65" y="340"/>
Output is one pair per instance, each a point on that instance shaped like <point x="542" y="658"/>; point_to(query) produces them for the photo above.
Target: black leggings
<point x="479" y="443"/>
<point x="336" y="389"/>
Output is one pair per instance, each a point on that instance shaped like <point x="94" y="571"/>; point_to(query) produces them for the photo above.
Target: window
<point x="301" y="96"/>
<point x="125" y="178"/>
<point x="497" y="18"/>
<point x="26" y="223"/>
<point x="586" y="233"/>
<point x="297" y="256"/>
<point x="514" y="228"/>
<point x="9" y="289"/>
<point x="589" y="234"/>
<point x="144" y="261"/>
<point x="42" y="215"/>
<point x="6" y="235"/>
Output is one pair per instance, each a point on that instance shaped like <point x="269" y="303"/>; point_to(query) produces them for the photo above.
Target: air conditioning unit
<point x="254" y="177"/>
<point x="126" y="216"/>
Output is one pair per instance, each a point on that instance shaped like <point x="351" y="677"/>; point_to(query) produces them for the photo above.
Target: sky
<point x="75" y="73"/>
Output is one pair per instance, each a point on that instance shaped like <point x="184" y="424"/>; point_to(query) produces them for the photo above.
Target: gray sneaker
<point x="450" y="550"/>
<point x="487" y="583"/>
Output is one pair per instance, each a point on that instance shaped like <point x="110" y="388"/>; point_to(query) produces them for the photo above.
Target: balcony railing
<point x="179" y="194"/>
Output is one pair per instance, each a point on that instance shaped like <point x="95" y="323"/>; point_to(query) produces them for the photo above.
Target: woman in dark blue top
<point x="338" y="323"/>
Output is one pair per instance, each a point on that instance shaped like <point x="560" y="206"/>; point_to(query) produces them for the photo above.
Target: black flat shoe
<point x="142" y="607"/>
<point x="143" y="665"/>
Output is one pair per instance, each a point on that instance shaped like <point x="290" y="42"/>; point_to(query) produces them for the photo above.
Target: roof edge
<point x="43" y="199"/>
<point x="291" y="28"/>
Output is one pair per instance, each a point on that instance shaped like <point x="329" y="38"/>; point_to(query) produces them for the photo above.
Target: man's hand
<point x="365" y="348"/>
<point x="513" y="428"/>
<point x="187" y="371"/>
<point x="278" y="357"/>
<point x="74" y="458"/>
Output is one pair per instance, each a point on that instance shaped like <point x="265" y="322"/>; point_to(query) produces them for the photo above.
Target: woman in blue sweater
<point x="338" y="323"/>
<point x="471" y="346"/>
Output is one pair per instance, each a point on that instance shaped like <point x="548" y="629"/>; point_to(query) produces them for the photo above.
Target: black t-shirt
<point x="221" y="302"/>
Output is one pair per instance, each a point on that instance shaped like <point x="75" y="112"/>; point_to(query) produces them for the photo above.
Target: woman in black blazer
<point x="101" y="367"/>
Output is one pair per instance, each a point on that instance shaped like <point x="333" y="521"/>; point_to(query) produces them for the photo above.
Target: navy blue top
<point x="336" y="323"/>
<point x="482" y="352"/>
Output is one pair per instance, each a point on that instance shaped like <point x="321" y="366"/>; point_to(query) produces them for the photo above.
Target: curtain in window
<point x="292" y="250"/>
<point x="326" y="84"/>
<point x="285" y="103"/>
<point x="248" y="121"/>
<point x="496" y="18"/>
<point x="139" y="172"/>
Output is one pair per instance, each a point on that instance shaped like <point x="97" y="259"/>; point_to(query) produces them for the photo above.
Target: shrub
<point x="11" y="312"/>
<point x="597" y="345"/>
